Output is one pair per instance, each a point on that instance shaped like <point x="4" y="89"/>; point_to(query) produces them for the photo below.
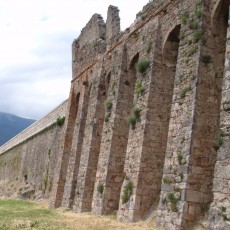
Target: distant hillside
<point x="11" y="125"/>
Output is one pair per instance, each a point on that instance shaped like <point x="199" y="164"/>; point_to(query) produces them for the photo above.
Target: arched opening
<point x="132" y="65"/>
<point x="220" y="15"/>
<point x="171" y="46"/>
<point x="125" y="87"/>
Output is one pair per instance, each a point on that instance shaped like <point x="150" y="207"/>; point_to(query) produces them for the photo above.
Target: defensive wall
<point x="147" y="124"/>
<point x="27" y="161"/>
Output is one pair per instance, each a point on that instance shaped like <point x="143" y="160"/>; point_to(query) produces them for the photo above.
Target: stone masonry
<point x="147" y="124"/>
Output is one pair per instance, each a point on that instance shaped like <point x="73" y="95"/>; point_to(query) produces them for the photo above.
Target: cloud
<point x="35" y="49"/>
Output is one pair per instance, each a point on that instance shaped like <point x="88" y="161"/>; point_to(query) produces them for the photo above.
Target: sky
<point x="35" y="49"/>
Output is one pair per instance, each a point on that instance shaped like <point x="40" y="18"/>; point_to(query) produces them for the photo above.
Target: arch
<point x="219" y="17"/>
<point x="171" y="46"/>
<point x="133" y="61"/>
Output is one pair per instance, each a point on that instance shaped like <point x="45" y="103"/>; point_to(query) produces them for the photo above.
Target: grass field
<point x="19" y="214"/>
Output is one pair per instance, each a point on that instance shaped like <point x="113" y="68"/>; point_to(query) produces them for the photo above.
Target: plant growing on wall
<point x="223" y="214"/>
<point x="100" y="188"/>
<point x="218" y="141"/>
<point x="181" y="174"/>
<point x="107" y="116"/>
<point x="173" y="201"/>
<point x="181" y="159"/>
<point x="193" y="24"/>
<point x="60" y="121"/>
<point x="183" y="18"/>
<point x="206" y="59"/>
<point x="132" y="121"/>
<point x="226" y="102"/>
<point x="185" y="91"/>
<point x="108" y="104"/>
<point x="128" y="191"/>
<point x="142" y="65"/>
<point x="135" y="117"/>
<point x="139" y="88"/>
<point x="137" y="113"/>
<point x="167" y="180"/>
<point x="197" y="36"/>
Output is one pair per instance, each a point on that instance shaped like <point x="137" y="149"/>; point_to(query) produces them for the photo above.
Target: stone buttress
<point x="147" y="122"/>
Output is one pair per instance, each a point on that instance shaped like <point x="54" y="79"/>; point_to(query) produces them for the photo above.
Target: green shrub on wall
<point x="206" y="59"/>
<point x="135" y="117"/>
<point x="173" y="201"/>
<point x="128" y="191"/>
<point x="142" y="66"/>
<point x="139" y="88"/>
<point x="100" y="188"/>
<point x="108" y="104"/>
<point x="60" y="121"/>
<point x="218" y="141"/>
<point x="132" y="121"/>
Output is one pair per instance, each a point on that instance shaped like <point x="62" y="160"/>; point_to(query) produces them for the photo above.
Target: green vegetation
<point x="223" y="214"/>
<point x="173" y="201"/>
<point x="132" y="121"/>
<point x="20" y="214"/>
<point x="218" y="141"/>
<point x="135" y="117"/>
<point x="108" y="104"/>
<point x="142" y="66"/>
<point x="226" y="103"/>
<point x="167" y="180"/>
<point x="181" y="159"/>
<point x="24" y="215"/>
<point x="197" y="36"/>
<point x="193" y="24"/>
<point x="100" y="188"/>
<point x="139" y="88"/>
<point x="184" y="92"/>
<point x="107" y="117"/>
<point x="181" y="174"/>
<point x="128" y="191"/>
<point x="137" y="113"/>
<point x="206" y="59"/>
<point x="183" y="18"/>
<point x="60" y="121"/>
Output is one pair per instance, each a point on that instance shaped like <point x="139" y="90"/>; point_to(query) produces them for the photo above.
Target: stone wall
<point x="144" y="134"/>
<point x="28" y="161"/>
<point x="219" y="214"/>
<point x="35" y="128"/>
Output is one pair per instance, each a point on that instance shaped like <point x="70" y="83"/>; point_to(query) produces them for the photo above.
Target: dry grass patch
<point x="19" y="214"/>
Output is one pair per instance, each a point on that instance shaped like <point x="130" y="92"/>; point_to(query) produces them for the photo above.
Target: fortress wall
<point x="31" y="157"/>
<point x="35" y="128"/>
<point x="163" y="163"/>
<point x="219" y="214"/>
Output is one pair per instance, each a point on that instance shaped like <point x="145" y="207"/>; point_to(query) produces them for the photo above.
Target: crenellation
<point x="147" y="121"/>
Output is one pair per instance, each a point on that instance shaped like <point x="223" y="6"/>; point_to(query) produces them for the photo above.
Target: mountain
<point x="11" y="125"/>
